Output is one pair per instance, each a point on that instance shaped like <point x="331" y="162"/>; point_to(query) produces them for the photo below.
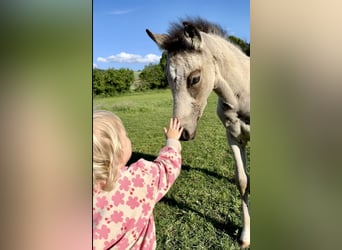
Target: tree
<point x="153" y="75"/>
<point x="98" y="82"/>
<point x="163" y="61"/>
<point x="111" y="81"/>
<point x="123" y="78"/>
<point x="245" y="47"/>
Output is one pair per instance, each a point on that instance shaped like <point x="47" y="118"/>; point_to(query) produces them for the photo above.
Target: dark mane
<point x="203" y="25"/>
<point x="175" y="40"/>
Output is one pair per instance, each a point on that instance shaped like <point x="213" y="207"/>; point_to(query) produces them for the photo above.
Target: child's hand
<point x="175" y="130"/>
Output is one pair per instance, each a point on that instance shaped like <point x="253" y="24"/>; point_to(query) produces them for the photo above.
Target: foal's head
<point x="190" y="69"/>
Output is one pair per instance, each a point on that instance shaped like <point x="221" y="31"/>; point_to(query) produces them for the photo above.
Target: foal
<point x="201" y="60"/>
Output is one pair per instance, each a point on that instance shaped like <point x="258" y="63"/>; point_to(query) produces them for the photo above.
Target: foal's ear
<point x="159" y="39"/>
<point x="192" y="35"/>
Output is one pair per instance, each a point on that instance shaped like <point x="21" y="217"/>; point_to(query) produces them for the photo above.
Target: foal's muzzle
<point x="186" y="135"/>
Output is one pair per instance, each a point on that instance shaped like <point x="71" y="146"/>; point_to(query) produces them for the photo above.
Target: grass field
<point x="202" y="209"/>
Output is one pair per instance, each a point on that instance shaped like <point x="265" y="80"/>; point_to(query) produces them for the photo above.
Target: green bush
<point x="245" y="47"/>
<point x="112" y="81"/>
<point x="154" y="76"/>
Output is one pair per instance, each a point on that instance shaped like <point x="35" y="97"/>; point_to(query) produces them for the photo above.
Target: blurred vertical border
<point x="296" y="124"/>
<point x="46" y="124"/>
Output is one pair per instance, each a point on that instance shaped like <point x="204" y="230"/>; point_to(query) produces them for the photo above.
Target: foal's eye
<point x="194" y="78"/>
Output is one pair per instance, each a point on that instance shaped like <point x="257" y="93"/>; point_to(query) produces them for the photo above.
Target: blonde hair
<point x="107" y="148"/>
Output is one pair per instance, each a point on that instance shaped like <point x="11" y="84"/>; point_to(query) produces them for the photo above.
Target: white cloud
<point x="101" y="59"/>
<point x="124" y="57"/>
<point x="94" y="65"/>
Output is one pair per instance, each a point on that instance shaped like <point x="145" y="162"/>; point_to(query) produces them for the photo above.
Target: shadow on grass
<point x="228" y="226"/>
<point x="136" y="156"/>
<point x="207" y="172"/>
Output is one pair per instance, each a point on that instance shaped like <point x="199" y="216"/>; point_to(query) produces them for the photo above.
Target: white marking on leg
<point x="239" y="153"/>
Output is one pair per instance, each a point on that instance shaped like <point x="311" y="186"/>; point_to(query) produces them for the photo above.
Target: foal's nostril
<point x="185" y="135"/>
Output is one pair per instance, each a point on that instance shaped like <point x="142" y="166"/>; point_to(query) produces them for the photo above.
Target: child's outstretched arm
<point x="169" y="161"/>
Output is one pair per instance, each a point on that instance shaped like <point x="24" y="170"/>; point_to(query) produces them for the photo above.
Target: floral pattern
<point x="123" y="217"/>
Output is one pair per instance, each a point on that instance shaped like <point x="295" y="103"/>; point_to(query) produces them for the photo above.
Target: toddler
<point x="124" y="197"/>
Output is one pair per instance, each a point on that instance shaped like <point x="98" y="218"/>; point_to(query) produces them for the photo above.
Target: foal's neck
<point x="232" y="73"/>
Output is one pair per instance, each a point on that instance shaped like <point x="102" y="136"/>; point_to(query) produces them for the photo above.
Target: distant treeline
<point x="111" y="82"/>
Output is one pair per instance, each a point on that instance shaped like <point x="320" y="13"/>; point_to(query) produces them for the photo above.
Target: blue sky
<point x="119" y="37"/>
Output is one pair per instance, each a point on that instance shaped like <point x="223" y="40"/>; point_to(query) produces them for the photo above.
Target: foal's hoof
<point x="244" y="244"/>
<point x="244" y="240"/>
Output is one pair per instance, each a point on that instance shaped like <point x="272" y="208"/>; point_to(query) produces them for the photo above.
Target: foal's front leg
<point x="242" y="181"/>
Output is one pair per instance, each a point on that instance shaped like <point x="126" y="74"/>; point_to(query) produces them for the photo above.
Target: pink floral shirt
<point x="123" y="218"/>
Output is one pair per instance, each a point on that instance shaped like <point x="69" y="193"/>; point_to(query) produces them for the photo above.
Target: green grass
<point x="202" y="209"/>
